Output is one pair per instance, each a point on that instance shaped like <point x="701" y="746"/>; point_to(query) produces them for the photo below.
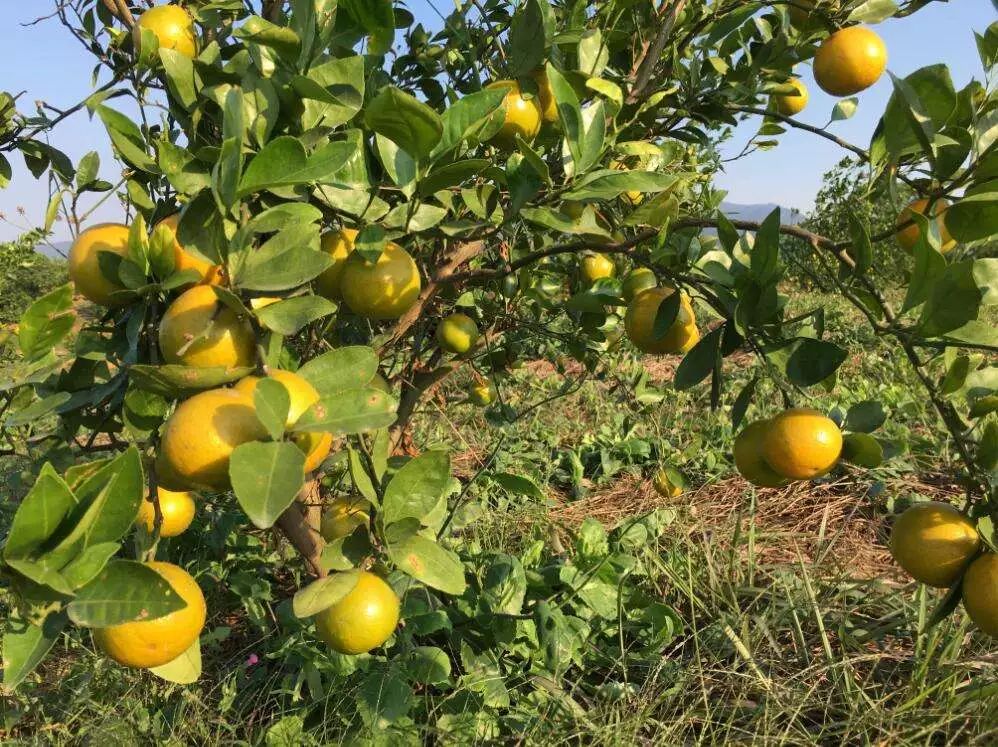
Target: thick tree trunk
<point x="300" y="524"/>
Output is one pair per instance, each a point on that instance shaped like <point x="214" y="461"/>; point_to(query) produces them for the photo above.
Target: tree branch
<point x="652" y="54"/>
<point x="300" y="524"/>
<point x="459" y="254"/>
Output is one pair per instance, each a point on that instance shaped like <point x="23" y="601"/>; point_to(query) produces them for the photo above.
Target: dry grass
<point x="831" y="526"/>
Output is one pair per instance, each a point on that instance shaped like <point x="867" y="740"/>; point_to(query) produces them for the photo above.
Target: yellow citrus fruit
<point x="363" y="619"/>
<point x="482" y="394"/>
<point x="173" y="27"/>
<point x="664" y="485"/>
<point x="380" y="382"/>
<point x="457" y="333"/>
<point x="849" y="61"/>
<point x="749" y="460"/>
<point x="382" y="290"/>
<point x="801" y="444"/>
<point x="200" y="436"/>
<point x="980" y="593"/>
<point x="523" y="116"/>
<point x="208" y="273"/>
<point x="152" y="643"/>
<point x="548" y="104"/>
<point x="84" y="264"/>
<point x="186" y="339"/>
<point x="302" y="396"/>
<point x="934" y="542"/>
<point x="908" y="236"/>
<point x="338" y="245"/>
<point x="639" y="323"/>
<point x="791" y="104"/>
<point x="177" y="507"/>
<point x="636" y="281"/>
<point x="596" y="266"/>
<point x="343" y="516"/>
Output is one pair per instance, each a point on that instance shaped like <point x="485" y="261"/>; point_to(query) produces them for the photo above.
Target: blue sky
<point x="46" y="63"/>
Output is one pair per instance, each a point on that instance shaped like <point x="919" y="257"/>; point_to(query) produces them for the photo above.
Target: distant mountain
<point x="760" y="211"/>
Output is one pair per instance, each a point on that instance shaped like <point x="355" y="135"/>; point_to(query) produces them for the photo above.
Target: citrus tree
<point x="332" y="209"/>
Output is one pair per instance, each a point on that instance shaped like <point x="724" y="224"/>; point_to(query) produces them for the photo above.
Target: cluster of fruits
<point x="797" y="444"/>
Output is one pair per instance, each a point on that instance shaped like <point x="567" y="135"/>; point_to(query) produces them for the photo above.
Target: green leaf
<point x="183" y="670"/>
<point x="172" y="381"/>
<point x="698" y="364"/>
<point x="665" y="315"/>
<point x="973" y="217"/>
<point x="349" y="411"/>
<point x="108" y="502"/>
<point x="844" y="109"/>
<point x="987" y="448"/>
<point x="417" y="487"/>
<point x="410" y="124"/>
<point x="26" y="644"/>
<point x="351" y="367"/>
<point x="287" y="260"/>
<point x="765" y="255"/>
<point x="201" y="230"/>
<point x="181" y="80"/>
<point x="332" y="93"/>
<point x="46" y="323"/>
<point x="281" y="39"/>
<point x="519" y="485"/>
<point x="184" y="172"/>
<point x="288" y="317"/>
<point x="125" y="591"/>
<point x="383" y="697"/>
<point x="527" y="45"/>
<point x="812" y="361"/>
<point x="862" y="449"/>
<point x="283" y="162"/>
<point x="266" y="477"/>
<point x="505" y="585"/>
<point x="451" y="174"/>
<point x="429" y="563"/>
<point x="427" y="665"/>
<point x="929" y="265"/>
<point x="957" y="295"/>
<point x="324" y="593"/>
<point x="862" y="249"/>
<point x="468" y="117"/>
<point x="39" y="515"/>
<point x="865" y="417"/>
<point x="271" y="401"/>
<point x="921" y="105"/>
<point x="609" y="183"/>
<point x="872" y="11"/>
<point x="569" y="115"/>
<point x="127" y="139"/>
<point x="84" y="568"/>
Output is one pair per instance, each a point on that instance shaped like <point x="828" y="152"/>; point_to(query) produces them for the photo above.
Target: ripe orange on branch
<point x="173" y="27"/>
<point x="849" y="61"/>
<point x="152" y="643"/>
<point x="302" y="395"/>
<point x="523" y="116"/>
<point x="338" y="245"/>
<point x="457" y="333"/>
<point x="362" y="620"/>
<point x="933" y="542"/>
<point x="789" y="104"/>
<point x="200" y="436"/>
<point x="802" y="444"/>
<point x="749" y="460"/>
<point x="343" y="516"/>
<point x="199" y="330"/>
<point x="639" y="323"/>
<point x="177" y="507"/>
<point x="908" y="235"/>
<point x="385" y="289"/>
<point x="980" y="593"/>
<point x="84" y="261"/>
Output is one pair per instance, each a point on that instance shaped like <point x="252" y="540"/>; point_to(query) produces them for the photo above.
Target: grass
<point x="794" y="625"/>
